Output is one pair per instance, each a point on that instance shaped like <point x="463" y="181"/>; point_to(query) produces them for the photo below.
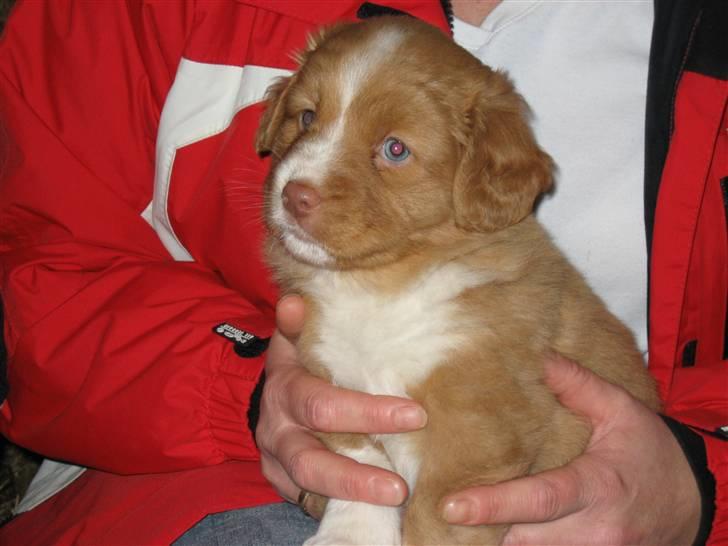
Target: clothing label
<point x="246" y="345"/>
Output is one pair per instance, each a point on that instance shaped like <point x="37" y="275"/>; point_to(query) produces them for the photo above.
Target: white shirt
<point x="582" y="67"/>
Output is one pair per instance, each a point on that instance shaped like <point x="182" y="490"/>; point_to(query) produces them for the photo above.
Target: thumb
<point x="581" y="390"/>
<point x="290" y="314"/>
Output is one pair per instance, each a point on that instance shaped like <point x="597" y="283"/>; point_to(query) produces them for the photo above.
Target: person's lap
<point x="270" y="524"/>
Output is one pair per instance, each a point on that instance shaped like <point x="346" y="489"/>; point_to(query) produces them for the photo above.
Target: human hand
<point x="296" y="403"/>
<point x="633" y="484"/>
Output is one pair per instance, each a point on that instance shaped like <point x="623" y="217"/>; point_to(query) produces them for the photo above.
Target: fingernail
<point x="458" y="511"/>
<point x="410" y="417"/>
<point x="386" y="491"/>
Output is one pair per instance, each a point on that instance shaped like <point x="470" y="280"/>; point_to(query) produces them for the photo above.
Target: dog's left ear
<point x="275" y="95"/>
<point x="503" y="170"/>
<point x="273" y="115"/>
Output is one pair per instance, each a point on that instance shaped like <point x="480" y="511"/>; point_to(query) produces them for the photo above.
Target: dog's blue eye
<point x="395" y="150"/>
<point x="307" y="117"/>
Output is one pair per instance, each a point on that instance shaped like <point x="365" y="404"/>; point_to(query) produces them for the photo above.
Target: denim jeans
<point x="279" y="524"/>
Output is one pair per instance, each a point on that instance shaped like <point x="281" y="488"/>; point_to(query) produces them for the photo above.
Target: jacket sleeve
<point x="707" y="457"/>
<point x="112" y="362"/>
<point x="693" y="422"/>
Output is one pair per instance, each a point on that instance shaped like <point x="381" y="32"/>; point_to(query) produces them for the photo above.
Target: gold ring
<point x="302" y="499"/>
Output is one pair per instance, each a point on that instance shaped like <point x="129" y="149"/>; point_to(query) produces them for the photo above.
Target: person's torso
<point x="582" y="68"/>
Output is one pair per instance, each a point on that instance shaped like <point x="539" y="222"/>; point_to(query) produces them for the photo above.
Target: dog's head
<point x="387" y="130"/>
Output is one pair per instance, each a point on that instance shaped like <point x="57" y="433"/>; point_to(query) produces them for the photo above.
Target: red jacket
<point x="686" y="212"/>
<point x="126" y="236"/>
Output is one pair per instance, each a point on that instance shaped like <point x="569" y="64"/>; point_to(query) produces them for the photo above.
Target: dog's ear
<point x="273" y="115"/>
<point x="275" y="96"/>
<point x="502" y="169"/>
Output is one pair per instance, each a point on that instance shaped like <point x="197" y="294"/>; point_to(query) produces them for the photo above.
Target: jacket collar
<point x="326" y="12"/>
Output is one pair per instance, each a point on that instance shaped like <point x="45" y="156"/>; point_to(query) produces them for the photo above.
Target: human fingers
<point x="290" y="314"/>
<point x="295" y="402"/>
<point x="277" y="476"/>
<point x="297" y="460"/>
<point x="542" y="497"/>
<point x="583" y="391"/>
<point x="318" y="405"/>
<point x="311" y="466"/>
<point x="316" y="469"/>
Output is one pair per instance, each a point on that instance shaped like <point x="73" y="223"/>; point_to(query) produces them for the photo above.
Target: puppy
<point x="399" y="206"/>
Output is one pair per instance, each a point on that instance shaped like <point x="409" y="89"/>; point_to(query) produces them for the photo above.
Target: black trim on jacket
<point x="694" y="449"/>
<point x="674" y="24"/>
<point x="254" y="407"/>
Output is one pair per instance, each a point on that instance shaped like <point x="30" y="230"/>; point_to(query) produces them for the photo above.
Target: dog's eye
<point x="307" y="117"/>
<point x="395" y="150"/>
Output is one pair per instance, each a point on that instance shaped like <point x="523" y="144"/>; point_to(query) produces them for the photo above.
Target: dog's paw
<point x="359" y="535"/>
<point x="358" y="524"/>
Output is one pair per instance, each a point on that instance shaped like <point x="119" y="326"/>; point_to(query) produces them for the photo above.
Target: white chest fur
<point x="383" y="344"/>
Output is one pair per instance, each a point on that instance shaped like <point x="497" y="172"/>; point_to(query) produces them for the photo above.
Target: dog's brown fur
<point x="465" y="197"/>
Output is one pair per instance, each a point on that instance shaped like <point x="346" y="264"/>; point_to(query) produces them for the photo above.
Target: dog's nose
<point x="300" y="199"/>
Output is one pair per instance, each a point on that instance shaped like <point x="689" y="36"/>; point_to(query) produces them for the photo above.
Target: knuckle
<point x="586" y="380"/>
<point x="300" y="467"/>
<point x="319" y="412"/>
<point x="547" y="500"/>
<point x="274" y="409"/>
<point x="489" y="507"/>
<point x="610" y="485"/>
<point x="267" y="406"/>
<point x="265" y="434"/>
<point x="272" y="390"/>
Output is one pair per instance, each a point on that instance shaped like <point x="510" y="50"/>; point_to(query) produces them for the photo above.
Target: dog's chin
<point x="307" y="250"/>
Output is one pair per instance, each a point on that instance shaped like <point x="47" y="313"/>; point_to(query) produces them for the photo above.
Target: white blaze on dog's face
<point x="364" y="153"/>
<point x="373" y="142"/>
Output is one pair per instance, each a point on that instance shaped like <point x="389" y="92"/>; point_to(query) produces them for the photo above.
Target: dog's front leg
<point x="357" y="523"/>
